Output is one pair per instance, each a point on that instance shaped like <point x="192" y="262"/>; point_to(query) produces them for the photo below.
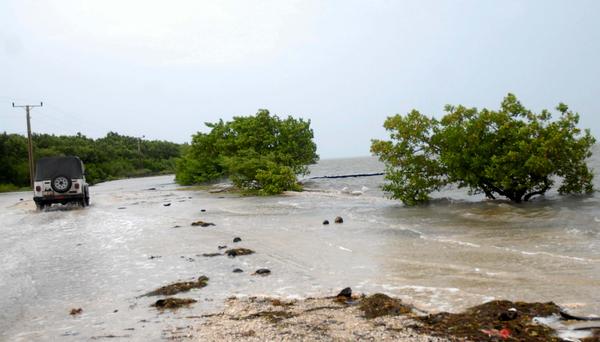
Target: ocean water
<point x="462" y="249"/>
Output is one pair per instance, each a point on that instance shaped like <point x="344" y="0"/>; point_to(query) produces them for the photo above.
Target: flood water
<point x="456" y="252"/>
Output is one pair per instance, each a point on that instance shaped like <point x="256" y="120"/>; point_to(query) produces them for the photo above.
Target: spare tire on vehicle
<point x="61" y="184"/>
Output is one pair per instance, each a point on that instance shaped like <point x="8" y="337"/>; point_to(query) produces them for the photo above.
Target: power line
<point x="29" y="145"/>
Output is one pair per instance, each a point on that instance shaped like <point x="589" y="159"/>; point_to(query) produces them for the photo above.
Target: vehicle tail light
<point x="38" y="188"/>
<point x="76" y="185"/>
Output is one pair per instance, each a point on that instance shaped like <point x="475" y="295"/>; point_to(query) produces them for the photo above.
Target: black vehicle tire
<point x="40" y="206"/>
<point x="86" y="194"/>
<point x="61" y="184"/>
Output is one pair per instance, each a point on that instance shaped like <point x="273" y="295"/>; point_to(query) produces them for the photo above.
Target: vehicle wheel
<point x="61" y="184"/>
<point x="40" y="206"/>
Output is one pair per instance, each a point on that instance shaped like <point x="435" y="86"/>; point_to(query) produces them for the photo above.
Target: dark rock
<point x="238" y="270"/>
<point x="263" y="271"/>
<point x="20" y="199"/>
<point x="339" y="219"/>
<point x="238" y="251"/>
<point x="151" y="188"/>
<point x="222" y="247"/>
<point x="120" y="208"/>
<point x="211" y="254"/>
<point x="202" y="210"/>
<point x="173" y="303"/>
<point x="326" y="222"/>
<point x="175" y="288"/>
<point x="177" y="226"/>
<point x="167" y="204"/>
<point x="508" y="315"/>
<point x="347" y="293"/>
<point x="237" y="239"/>
<point x="154" y="257"/>
<point x="75" y="311"/>
<point x="202" y="224"/>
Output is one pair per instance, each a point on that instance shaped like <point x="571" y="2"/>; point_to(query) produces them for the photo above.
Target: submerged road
<point x="99" y="259"/>
<point x="135" y="237"/>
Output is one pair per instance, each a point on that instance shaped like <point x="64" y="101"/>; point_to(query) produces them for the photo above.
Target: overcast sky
<point x="163" y="68"/>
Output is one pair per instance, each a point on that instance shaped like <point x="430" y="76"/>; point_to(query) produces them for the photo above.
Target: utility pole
<point x="29" y="144"/>
<point x="140" y="151"/>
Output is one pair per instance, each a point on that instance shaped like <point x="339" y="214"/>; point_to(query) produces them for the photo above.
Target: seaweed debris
<point x="173" y="303"/>
<point x="203" y="224"/>
<point x="238" y="251"/>
<point x="175" y="288"/>
<point x="382" y="305"/>
<point x="75" y="311"/>
<point x="271" y="316"/>
<point x="279" y="302"/>
<point x="210" y="255"/>
<point x="490" y="320"/>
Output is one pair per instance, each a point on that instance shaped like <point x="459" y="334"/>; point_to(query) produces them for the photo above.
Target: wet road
<point x="127" y="243"/>
<point x="99" y="259"/>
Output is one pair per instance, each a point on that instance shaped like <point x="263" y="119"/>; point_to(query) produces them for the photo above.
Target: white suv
<point x="60" y="180"/>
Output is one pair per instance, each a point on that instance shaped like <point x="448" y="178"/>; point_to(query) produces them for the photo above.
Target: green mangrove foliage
<point x="261" y="153"/>
<point x="511" y="152"/>
<point x="114" y="156"/>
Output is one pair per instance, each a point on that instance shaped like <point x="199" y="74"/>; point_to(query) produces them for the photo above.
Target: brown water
<point x="455" y="253"/>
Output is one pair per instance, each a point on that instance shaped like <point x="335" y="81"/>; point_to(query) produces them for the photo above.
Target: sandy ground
<point x="311" y="319"/>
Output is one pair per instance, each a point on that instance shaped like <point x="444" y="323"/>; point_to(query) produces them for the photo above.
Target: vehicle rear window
<point x="48" y="168"/>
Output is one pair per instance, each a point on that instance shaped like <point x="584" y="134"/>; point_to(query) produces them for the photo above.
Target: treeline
<point x="111" y="157"/>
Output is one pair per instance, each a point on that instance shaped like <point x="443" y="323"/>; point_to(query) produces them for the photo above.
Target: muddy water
<point x="452" y="254"/>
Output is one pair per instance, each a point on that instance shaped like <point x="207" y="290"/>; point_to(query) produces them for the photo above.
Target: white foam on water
<point x="290" y="204"/>
<point x="420" y="289"/>
<point x="404" y="228"/>
<point x="552" y="255"/>
<point x="344" y="249"/>
<point x="565" y="332"/>
<point x="454" y="242"/>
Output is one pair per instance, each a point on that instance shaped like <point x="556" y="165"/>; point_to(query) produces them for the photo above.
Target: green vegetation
<point x="114" y="156"/>
<point x="260" y="153"/>
<point x="511" y="152"/>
